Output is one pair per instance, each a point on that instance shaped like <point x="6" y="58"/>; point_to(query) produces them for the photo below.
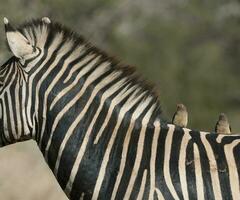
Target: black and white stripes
<point x="99" y="126"/>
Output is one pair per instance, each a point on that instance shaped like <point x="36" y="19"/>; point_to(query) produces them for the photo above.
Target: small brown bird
<point x="222" y="125"/>
<point x="180" y="117"/>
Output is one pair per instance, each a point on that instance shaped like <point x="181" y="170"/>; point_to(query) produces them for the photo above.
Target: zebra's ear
<point x="18" y="44"/>
<point x="46" y="20"/>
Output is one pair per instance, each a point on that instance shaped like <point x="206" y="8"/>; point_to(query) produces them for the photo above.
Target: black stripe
<point x="7" y="81"/>
<point x="160" y="180"/>
<point x="12" y="91"/>
<point x="236" y="151"/>
<point x="115" y="155"/>
<point x="218" y="150"/>
<point x="5" y="140"/>
<point x="20" y="94"/>
<point x="145" y="162"/>
<point x="131" y="156"/>
<point x="190" y="171"/>
<point x="207" y="181"/>
<point x="63" y="101"/>
<point x="28" y="61"/>
<point x="92" y="160"/>
<point x="79" y="132"/>
<point x="36" y="80"/>
<point x="174" y="160"/>
<point x="7" y="114"/>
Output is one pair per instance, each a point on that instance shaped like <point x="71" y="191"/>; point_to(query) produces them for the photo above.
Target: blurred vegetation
<point x="190" y="49"/>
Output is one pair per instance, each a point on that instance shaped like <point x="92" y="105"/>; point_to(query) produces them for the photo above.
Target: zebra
<point x="99" y="125"/>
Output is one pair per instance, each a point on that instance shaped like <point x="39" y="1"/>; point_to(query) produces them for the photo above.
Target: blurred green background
<point x="189" y="49"/>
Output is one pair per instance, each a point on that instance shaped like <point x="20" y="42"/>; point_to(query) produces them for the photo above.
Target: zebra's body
<point x="99" y="128"/>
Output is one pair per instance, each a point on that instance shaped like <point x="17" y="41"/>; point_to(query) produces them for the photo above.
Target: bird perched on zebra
<point x="222" y="126"/>
<point x="180" y="117"/>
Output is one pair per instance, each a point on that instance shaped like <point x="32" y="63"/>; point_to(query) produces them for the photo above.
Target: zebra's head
<point x="22" y="42"/>
<point x="26" y="43"/>
<point x="20" y="46"/>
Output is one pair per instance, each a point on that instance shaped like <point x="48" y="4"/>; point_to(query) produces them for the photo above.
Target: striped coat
<point x="99" y="126"/>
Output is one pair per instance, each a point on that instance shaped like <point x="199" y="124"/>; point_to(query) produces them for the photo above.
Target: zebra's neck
<point x="14" y="126"/>
<point x="66" y="68"/>
<point x="65" y="65"/>
<point x="87" y="75"/>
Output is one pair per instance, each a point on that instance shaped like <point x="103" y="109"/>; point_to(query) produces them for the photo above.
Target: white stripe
<point x="153" y="159"/>
<point x="97" y="73"/>
<point x="220" y="137"/>
<point x="11" y="67"/>
<point x="57" y="40"/>
<point x="82" y="196"/>
<point x="123" y="159"/>
<point x="128" y="105"/>
<point x="213" y="167"/>
<point x="142" y="187"/>
<point x="18" y="110"/>
<point x="84" y="71"/>
<point x="5" y="122"/>
<point x="3" y="70"/>
<point x="123" y="94"/>
<point x="74" y="124"/>
<point x="182" y="163"/>
<point x="139" y="153"/>
<point x="198" y="173"/>
<point x="81" y="63"/>
<point x="135" y="115"/>
<point x="24" y="112"/>
<point x="166" y="167"/>
<point x="82" y="149"/>
<point x="73" y="56"/>
<point x="12" y="122"/>
<point x="233" y="168"/>
<point x="1" y="111"/>
<point x="64" y="49"/>
<point x="6" y="89"/>
<point x="159" y="194"/>
<point x="9" y="100"/>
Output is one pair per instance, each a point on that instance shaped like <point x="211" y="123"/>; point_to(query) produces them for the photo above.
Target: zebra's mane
<point x="54" y="28"/>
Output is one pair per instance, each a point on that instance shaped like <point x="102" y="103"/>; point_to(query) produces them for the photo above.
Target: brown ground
<point x="24" y="175"/>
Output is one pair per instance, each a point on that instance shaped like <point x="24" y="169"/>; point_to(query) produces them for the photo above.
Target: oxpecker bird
<point x="180" y="117"/>
<point x="222" y="125"/>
